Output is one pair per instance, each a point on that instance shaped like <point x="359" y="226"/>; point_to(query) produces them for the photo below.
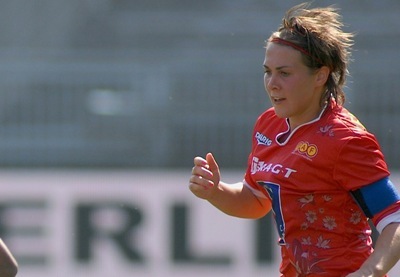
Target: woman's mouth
<point x="277" y="100"/>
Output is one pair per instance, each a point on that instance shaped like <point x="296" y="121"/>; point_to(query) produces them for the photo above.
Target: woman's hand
<point x="205" y="177"/>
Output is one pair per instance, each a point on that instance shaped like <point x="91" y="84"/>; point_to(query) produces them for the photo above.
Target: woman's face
<point x="293" y="88"/>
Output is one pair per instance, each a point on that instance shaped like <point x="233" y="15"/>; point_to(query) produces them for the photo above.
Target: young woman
<point x="312" y="163"/>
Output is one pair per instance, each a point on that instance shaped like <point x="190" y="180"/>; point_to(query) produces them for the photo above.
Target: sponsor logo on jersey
<point x="275" y="168"/>
<point x="262" y="139"/>
<point x="306" y="149"/>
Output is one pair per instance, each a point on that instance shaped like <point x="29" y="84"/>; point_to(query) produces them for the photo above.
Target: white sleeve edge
<point x="394" y="217"/>
<point x="256" y="192"/>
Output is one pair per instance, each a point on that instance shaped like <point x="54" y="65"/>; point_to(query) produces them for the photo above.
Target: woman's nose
<point x="270" y="83"/>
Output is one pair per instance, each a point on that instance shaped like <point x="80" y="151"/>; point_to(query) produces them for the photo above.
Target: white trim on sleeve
<point x="256" y="192"/>
<point x="394" y="217"/>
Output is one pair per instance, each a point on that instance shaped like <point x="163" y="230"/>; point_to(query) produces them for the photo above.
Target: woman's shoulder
<point x="347" y="132"/>
<point x="343" y="121"/>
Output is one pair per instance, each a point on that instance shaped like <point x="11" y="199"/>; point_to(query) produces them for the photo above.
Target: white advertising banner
<point x="108" y="223"/>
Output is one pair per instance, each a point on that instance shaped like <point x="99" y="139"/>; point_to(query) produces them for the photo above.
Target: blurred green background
<point x="127" y="83"/>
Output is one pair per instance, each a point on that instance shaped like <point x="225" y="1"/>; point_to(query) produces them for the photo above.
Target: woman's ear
<point x="322" y="75"/>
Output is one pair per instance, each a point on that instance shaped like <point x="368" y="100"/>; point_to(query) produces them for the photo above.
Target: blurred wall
<point x="153" y="83"/>
<point x="129" y="223"/>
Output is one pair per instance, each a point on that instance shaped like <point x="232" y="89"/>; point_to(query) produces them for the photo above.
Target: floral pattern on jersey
<point x="313" y="215"/>
<point x="306" y="200"/>
<point x="355" y="217"/>
<point x="305" y="261"/>
<point x="323" y="243"/>
<point x="326" y="130"/>
<point x="306" y="249"/>
<point x="329" y="223"/>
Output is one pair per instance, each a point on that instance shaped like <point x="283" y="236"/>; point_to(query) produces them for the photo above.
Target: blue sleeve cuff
<point x="376" y="197"/>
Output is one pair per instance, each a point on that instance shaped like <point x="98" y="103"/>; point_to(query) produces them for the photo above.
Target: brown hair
<point x="318" y="32"/>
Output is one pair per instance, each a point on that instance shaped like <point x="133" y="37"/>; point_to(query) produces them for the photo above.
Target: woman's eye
<point x="284" y="74"/>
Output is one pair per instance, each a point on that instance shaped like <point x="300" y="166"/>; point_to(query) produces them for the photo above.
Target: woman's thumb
<point x="212" y="163"/>
<point x="213" y="167"/>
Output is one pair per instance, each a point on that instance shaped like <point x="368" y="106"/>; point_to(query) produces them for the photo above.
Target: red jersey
<point x="308" y="175"/>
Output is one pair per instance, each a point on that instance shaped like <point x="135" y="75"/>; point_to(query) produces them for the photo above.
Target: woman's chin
<point x="279" y="113"/>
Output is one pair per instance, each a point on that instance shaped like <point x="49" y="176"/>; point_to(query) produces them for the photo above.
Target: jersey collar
<point x="298" y="127"/>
